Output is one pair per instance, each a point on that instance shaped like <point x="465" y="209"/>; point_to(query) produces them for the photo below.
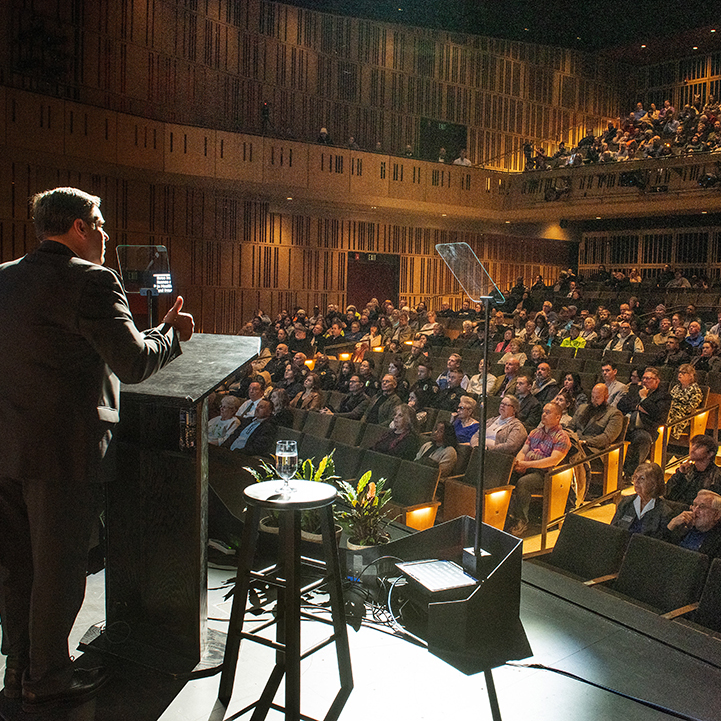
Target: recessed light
<point x="695" y="47"/>
<point x="643" y="46"/>
<point x="704" y="212"/>
<point x="443" y="215"/>
<point x="713" y="31"/>
<point x="598" y="217"/>
<point x="508" y="222"/>
<point x="290" y="197"/>
<point x="373" y="207"/>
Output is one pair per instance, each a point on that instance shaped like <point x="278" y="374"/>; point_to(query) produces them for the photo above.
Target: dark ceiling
<point x="567" y="23"/>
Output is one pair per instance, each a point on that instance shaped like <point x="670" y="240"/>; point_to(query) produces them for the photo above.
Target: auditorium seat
<point x="413" y="492"/>
<point x="587" y="549"/>
<point x="660" y="576"/>
<point x="318" y="424"/>
<point x="347" y="431"/>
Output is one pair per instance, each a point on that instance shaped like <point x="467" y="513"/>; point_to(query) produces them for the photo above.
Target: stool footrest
<point x="281" y="583"/>
<point x="262" y="641"/>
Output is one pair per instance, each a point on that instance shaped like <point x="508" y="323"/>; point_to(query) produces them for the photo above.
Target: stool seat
<point x="285" y="575"/>
<point x="303" y="496"/>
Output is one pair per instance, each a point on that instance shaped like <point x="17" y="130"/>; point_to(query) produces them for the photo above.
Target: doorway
<point x="372" y="275"/>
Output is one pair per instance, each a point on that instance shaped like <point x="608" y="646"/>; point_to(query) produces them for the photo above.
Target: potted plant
<point x="307" y="471"/>
<point x="363" y="518"/>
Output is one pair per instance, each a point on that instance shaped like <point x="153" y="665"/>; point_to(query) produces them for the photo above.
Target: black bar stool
<point x="285" y="574"/>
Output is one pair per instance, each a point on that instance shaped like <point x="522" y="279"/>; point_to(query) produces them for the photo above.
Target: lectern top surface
<point x="206" y="361"/>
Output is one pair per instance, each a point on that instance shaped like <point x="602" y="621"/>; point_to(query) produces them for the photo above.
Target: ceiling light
<point x="290" y="197"/>
<point x="704" y="212"/>
<point x="508" y="222"/>
<point x="598" y="217"/>
<point x="695" y="47"/>
<point x="443" y="215"/>
<point x="643" y="46"/>
<point x="713" y="31"/>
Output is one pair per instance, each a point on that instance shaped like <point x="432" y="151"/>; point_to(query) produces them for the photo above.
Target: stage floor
<point x="395" y="679"/>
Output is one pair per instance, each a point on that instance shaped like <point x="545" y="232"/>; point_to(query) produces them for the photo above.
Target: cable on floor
<point x="643" y="702"/>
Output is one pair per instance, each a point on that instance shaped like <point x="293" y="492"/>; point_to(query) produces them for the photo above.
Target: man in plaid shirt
<point x="545" y="447"/>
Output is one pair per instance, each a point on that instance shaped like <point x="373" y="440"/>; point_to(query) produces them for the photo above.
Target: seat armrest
<point x="680" y="611"/>
<point x="600" y="579"/>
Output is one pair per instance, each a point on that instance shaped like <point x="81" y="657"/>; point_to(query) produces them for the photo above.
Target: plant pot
<point x="266" y="526"/>
<point x="357" y="547"/>
<point x="318" y="537"/>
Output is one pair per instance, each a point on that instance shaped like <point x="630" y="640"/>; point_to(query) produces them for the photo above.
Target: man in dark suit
<point x="355" y="404"/>
<point x="647" y="412"/>
<point x="256" y="436"/>
<point x="73" y="340"/>
<point x="529" y="411"/>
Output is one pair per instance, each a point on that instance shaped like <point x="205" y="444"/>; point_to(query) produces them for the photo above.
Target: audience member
<point x="400" y="440"/>
<point x="452" y="364"/>
<point x="709" y="360"/>
<point x="475" y="383"/>
<point x="441" y="449"/>
<point x="609" y="371"/>
<point x="626" y="340"/>
<point x="646" y="415"/>
<point x="686" y="397"/>
<point x="529" y="411"/>
<point x="644" y="512"/>
<point x="672" y="355"/>
<point x="281" y="407"/>
<point x="545" y="447"/>
<point x="354" y="404"/>
<point x="545" y="387"/>
<point x="507" y="382"/>
<point x="371" y="386"/>
<point x="255" y="394"/>
<point x="382" y="407"/>
<point x="572" y="385"/>
<point x="464" y="423"/>
<point x="311" y="397"/>
<point x="462" y="159"/>
<point x="597" y="424"/>
<point x="699" y="472"/>
<point x="698" y="529"/>
<point x="255" y="436"/>
<point x="505" y="433"/>
<point x="220" y="427"/>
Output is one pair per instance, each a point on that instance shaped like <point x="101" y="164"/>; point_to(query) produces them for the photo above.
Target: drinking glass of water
<point x="286" y="454"/>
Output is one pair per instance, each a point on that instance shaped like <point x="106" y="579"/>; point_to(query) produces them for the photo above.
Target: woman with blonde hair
<point x="686" y="397"/>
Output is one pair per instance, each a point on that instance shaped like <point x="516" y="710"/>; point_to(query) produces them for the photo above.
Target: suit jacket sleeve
<point x="104" y="319"/>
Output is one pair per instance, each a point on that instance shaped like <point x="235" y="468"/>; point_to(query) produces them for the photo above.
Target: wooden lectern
<point x="157" y="511"/>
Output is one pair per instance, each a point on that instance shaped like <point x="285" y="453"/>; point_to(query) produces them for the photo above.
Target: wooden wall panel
<point x="190" y="151"/>
<point x="140" y="142"/>
<point x="406" y="178"/>
<point x="329" y="171"/>
<point x="34" y="121"/>
<point x="90" y="133"/>
<point x="285" y="163"/>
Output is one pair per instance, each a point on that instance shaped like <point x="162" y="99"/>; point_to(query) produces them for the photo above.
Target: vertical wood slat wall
<point x="231" y="256"/>
<point x="695" y="251"/>
<point x="214" y="63"/>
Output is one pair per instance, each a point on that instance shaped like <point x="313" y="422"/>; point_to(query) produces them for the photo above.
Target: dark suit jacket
<point x="656" y="405"/>
<point x="653" y="522"/>
<point x="530" y="412"/>
<point x="73" y="340"/>
<point x="353" y="406"/>
<point x="261" y="441"/>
